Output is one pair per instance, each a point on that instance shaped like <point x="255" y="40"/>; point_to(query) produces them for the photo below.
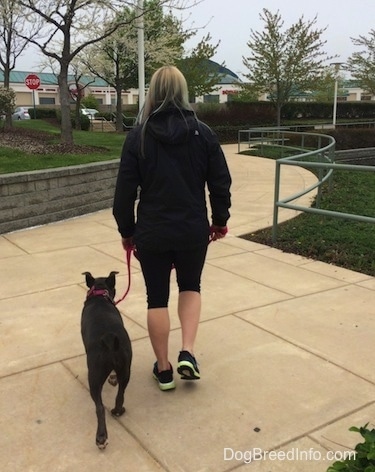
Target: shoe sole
<point x="165" y="386"/>
<point x="187" y="371"/>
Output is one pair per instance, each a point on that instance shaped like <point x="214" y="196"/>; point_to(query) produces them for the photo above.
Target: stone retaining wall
<point x="39" y="197"/>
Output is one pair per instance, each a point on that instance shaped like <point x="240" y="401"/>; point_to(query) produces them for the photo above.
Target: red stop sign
<point x="32" y="81"/>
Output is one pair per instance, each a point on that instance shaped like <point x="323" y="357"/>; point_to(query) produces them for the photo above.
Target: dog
<point x="108" y="347"/>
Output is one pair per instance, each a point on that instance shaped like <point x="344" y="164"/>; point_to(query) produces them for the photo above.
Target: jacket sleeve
<point x="218" y="183"/>
<point x="128" y="180"/>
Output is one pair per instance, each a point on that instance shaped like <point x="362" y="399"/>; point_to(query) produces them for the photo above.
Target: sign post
<point x="32" y="81"/>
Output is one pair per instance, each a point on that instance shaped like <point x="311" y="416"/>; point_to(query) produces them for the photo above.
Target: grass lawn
<point x="344" y="243"/>
<point x="17" y="160"/>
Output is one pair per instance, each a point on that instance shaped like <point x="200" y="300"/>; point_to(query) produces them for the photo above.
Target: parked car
<point x="21" y="113"/>
<point x="89" y="112"/>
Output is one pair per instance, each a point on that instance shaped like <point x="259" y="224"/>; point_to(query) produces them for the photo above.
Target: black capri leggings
<point x="157" y="268"/>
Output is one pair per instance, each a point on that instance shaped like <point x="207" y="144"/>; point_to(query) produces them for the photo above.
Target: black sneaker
<point x="164" y="378"/>
<point x="187" y="366"/>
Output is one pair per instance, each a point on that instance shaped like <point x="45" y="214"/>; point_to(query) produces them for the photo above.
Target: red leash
<point x="129" y="251"/>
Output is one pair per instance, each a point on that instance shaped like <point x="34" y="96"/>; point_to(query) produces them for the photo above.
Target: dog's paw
<point x="102" y="443"/>
<point x="119" y="412"/>
<point x="112" y="379"/>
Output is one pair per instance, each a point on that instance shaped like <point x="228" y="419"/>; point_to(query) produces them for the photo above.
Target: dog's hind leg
<point x="123" y="380"/>
<point x="96" y="395"/>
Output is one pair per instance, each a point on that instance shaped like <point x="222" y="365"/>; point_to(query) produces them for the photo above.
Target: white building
<point x="47" y="94"/>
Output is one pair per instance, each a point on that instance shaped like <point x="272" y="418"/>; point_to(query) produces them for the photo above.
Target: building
<point x="47" y="94"/>
<point x="228" y="86"/>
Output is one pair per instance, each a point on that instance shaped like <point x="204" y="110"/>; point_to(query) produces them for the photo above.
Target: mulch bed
<point x="40" y="142"/>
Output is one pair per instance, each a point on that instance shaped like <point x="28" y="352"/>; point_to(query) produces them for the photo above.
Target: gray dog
<point x="107" y="346"/>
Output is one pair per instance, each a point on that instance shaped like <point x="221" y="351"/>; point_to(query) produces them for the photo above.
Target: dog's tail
<point x="111" y="342"/>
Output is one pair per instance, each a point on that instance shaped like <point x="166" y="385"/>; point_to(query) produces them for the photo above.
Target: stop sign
<point x="32" y="81"/>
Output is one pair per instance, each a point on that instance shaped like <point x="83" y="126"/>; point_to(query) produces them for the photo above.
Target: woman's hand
<point x="127" y="243"/>
<point x="218" y="232"/>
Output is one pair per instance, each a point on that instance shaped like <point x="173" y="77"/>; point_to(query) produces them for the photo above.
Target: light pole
<point x="141" y="56"/>
<point x="337" y="68"/>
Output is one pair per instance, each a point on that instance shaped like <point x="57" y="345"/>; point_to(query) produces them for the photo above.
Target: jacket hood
<point x="172" y="125"/>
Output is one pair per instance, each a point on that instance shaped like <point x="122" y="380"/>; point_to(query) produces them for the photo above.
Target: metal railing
<point x="128" y="122"/>
<point x="309" y="151"/>
<point x="101" y="124"/>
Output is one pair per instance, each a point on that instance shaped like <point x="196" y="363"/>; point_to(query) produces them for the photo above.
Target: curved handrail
<point x="321" y="158"/>
<point x="329" y="166"/>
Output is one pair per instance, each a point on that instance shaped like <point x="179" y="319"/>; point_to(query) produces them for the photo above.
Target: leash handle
<point x="217" y="229"/>
<point x="129" y="251"/>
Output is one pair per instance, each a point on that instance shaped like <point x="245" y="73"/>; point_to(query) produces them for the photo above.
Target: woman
<point x="170" y="157"/>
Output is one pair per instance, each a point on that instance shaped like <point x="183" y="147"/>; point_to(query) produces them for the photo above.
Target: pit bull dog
<point x="108" y="347"/>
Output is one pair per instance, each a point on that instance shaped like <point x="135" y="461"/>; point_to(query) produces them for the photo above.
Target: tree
<point x="282" y="62"/>
<point x="12" y="19"/>
<point x="74" y="25"/>
<point x="200" y="73"/>
<point x="68" y="26"/>
<point x="325" y="90"/>
<point x="361" y="64"/>
<point x="79" y="82"/>
<point x="7" y="100"/>
<point x="115" y="59"/>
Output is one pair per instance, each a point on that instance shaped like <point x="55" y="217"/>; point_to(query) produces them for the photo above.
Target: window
<point x="211" y="99"/>
<point x="47" y="101"/>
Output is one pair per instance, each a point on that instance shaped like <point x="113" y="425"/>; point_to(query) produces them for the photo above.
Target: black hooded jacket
<point x="180" y="155"/>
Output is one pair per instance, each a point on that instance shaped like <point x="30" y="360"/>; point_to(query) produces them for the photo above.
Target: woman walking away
<point x="170" y="157"/>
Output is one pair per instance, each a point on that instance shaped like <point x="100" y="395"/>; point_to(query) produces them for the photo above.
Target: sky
<point x="231" y="23"/>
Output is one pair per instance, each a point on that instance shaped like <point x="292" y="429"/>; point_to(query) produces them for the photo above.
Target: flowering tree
<point x="283" y="61"/>
<point x="7" y="101"/>
<point x="361" y="64"/>
<point x="115" y="59"/>
<point x="73" y="25"/>
<point x="12" y="18"/>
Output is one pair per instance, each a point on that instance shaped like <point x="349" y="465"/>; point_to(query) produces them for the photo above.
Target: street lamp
<point x="141" y="56"/>
<point x="337" y="68"/>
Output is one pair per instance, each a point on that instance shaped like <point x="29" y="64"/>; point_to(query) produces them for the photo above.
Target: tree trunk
<point x="66" y="122"/>
<point x="8" y="116"/>
<point x="78" y="111"/>
<point x="119" y="117"/>
<point x="278" y="111"/>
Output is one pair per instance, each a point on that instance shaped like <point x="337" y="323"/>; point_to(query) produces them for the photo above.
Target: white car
<point x="89" y="112"/>
<point x="21" y="113"/>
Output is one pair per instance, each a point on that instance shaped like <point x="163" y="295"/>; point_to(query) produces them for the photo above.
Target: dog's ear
<point x="111" y="279"/>
<point x="89" y="279"/>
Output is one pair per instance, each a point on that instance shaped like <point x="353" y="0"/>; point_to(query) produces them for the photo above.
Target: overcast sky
<point x="231" y="22"/>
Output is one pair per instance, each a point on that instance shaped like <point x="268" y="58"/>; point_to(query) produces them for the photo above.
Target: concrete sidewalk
<point x="285" y="348"/>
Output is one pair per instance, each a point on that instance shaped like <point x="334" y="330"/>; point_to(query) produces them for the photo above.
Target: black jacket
<point x="180" y="155"/>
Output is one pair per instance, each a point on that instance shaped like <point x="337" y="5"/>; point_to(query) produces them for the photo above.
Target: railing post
<point x="275" y="200"/>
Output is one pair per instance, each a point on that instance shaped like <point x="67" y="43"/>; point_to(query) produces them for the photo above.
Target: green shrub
<point x="227" y="134"/>
<point x="353" y="138"/>
<point x="243" y="114"/>
<point x="85" y="121"/>
<point x="7" y="100"/>
<point x="90" y="102"/>
<point x="43" y="113"/>
<point x="364" y="460"/>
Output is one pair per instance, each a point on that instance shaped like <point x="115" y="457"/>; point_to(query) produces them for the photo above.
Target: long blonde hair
<point x="167" y="87"/>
